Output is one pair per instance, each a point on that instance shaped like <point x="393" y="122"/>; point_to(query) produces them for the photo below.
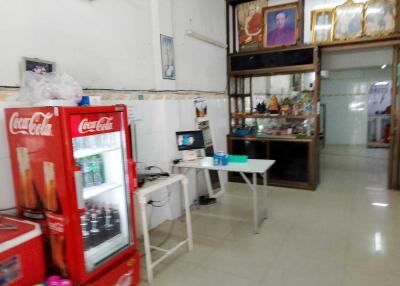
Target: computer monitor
<point x="190" y="140"/>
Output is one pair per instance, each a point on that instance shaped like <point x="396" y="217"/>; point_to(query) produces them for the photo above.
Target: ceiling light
<point x="378" y="241"/>
<point x="380" y="204"/>
<point x="382" y="83"/>
<point x="383" y="67"/>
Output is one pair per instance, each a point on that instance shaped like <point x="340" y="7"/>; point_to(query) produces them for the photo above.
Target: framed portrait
<point x="280" y="25"/>
<point x="322" y="25"/>
<point x="38" y="65"/>
<point x="348" y="20"/>
<point x="250" y="24"/>
<point x="380" y="17"/>
<point x="167" y="57"/>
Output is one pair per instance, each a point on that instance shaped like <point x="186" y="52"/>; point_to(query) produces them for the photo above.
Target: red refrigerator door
<point x="99" y="156"/>
<point x="36" y="150"/>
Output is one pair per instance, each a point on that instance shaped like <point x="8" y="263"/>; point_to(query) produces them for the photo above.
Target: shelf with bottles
<point x="94" y="144"/>
<point x="101" y="231"/>
<point x="275" y="128"/>
<point x="266" y="115"/>
<point x="279" y="95"/>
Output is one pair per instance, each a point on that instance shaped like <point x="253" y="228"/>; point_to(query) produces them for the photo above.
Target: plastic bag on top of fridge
<point x="36" y="87"/>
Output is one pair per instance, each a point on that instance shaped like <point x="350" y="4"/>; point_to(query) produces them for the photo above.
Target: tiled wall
<point x="345" y="95"/>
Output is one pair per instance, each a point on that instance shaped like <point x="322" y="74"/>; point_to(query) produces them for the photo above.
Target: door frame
<point x="394" y="153"/>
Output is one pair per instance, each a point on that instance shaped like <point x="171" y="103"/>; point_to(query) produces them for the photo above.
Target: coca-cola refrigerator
<point x="73" y="173"/>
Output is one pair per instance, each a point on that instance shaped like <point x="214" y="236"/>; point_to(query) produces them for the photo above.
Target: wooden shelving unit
<point x="296" y="158"/>
<point x="268" y="62"/>
<point x="291" y="170"/>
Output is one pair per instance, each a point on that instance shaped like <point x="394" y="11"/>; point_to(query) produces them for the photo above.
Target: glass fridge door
<point x="106" y="222"/>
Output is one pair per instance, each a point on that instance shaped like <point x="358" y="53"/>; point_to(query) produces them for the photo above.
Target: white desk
<point x="251" y="166"/>
<point x="142" y="194"/>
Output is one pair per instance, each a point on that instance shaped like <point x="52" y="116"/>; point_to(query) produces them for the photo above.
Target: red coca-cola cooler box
<point x="21" y="252"/>
<point x="73" y="173"/>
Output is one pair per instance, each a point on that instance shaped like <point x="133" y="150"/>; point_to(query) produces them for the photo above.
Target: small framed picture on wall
<point x="38" y="65"/>
<point x="167" y="57"/>
<point x="322" y="25"/>
<point x="348" y="21"/>
<point x="380" y="17"/>
<point x="280" y="25"/>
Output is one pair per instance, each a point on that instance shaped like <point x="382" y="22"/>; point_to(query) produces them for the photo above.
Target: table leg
<point x="265" y="193"/>
<point x="253" y="187"/>
<point x="187" y="213"/>
<point x="255" y="204"/>
<point x="146" y="238"/>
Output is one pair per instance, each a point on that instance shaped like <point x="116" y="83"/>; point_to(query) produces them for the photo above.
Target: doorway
<point x="356" y="94"/>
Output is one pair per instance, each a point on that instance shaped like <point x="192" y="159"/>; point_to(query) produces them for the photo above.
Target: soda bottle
<point x="101" y="223"/>
<point x="86" y="172"/>
<point x="85" y="232"/>
<point x="117" y="222"/>
<point x="94" y="231"/>
<point x="109" y="223"/>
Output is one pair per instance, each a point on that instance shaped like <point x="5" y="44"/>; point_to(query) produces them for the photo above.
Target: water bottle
<point x="95" y="170"/>
<point x="91" y="141"/>
<point x="100" y="163"/>
<point x="87" y="174"/>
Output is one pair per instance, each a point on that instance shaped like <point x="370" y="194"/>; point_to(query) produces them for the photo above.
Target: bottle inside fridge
<point x="106" y="219"/>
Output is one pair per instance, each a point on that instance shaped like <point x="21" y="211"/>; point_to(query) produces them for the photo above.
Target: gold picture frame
<point x="249" y="25"/>
<point x="322" y="25"/>
<point x="348" y="21"/>
<point x="280" y="25"/>
<point x="380" y="18"/>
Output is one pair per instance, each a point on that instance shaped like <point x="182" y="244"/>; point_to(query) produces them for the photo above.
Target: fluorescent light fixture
<point x="383" y="67"/>
<point x="382" y="83"/>
<point x="380" y="204"/>
<point x="204" y="38"/>
<point x="378" y="241"/>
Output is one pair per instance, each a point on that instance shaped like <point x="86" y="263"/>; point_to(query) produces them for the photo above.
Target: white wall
<point x="357" y="58"/>
<point x="116" y="45"/>
<point x="102" y="44"/>
<point x="200" y="66"/>
<point x="345" y="95"/>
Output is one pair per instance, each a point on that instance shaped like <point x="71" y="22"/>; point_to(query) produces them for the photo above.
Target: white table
<point x="142" y="195"/>
<point x="251" y="166"/>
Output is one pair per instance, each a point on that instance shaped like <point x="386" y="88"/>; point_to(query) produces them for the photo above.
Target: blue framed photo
<point x="280" y="25"/>
<point x="167" y="57"/>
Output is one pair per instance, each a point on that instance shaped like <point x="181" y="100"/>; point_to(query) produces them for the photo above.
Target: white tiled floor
<point x="333" y="236"/>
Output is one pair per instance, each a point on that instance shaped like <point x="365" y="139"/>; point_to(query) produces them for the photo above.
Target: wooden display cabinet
<point x="297" y="159"/>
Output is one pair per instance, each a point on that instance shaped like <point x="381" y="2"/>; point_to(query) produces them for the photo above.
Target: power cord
<point x="8" y="209"/>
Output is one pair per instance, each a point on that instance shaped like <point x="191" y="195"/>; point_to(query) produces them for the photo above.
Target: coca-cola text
<point x="36" y="125"/>
<point x="103" y="124"/>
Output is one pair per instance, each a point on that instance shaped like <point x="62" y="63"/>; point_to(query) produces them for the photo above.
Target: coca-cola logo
<point x="36" y="125"/>
<point x="103" y="124"/>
